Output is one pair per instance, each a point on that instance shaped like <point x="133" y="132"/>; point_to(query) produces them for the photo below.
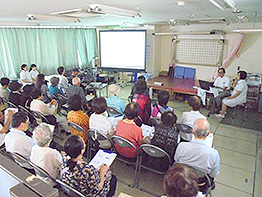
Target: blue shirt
<point x="55" y="90"/>
<point x="197" y="154"/>
<point x="116" y="102"/>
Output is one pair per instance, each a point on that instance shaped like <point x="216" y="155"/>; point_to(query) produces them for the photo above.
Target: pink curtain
<point x="234" y="52"/>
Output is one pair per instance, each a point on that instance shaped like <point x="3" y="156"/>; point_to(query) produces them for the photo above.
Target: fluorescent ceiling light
<point x="247" y="31"/>
<point x="97" y="9"/>
<point x="181" y="3"/>
<point x="231" y="4"/>
<point x="217" y="5"/>
<point x="51" y="18"/>
<point x="209" y="20"/>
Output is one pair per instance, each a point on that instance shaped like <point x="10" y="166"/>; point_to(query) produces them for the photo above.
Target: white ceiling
<point x="14" y="12"/>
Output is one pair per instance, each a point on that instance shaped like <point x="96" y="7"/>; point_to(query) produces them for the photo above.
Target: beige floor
<point x="240" y="153"/>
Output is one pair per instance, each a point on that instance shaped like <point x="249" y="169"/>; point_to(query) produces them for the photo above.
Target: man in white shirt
<point x="5" y="128"/>
<point x="42" y="155"/>
<point x="189" y="118"/>
<point x="25" y="75"/>
<point x="222" y="84"/>
<point x="63" y="82"/>
<point x="16" y="141"/>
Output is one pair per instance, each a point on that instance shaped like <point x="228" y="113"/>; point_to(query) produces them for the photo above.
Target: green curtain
<point x="48" y="48"/>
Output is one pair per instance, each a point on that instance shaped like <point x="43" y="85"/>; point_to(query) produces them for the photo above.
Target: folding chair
<point x="21" y="161"/>
<point x="127" y="144"/>
<point x="111" y="111"/>
<point x="185" y="132"/>
<point x="69" y="190"/>
<point x="33" y="121"/>
<point x="245" y="105"/>
<point x="51" y="96"/>
<point x="62" y="102"/>
<point x="157" y="154"/>
<point x="9" y="104"/>
<point x="204" y="181"/>
<point x="94" y="140"/>
<point x="43" y="175"/>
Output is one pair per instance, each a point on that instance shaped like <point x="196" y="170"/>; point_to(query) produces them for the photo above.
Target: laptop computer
<point x="205" y="84"/>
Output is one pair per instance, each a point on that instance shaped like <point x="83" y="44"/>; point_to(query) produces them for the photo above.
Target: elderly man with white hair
<point x="197" y="153"/>
<point x="75" y="89"/>
<point x="42" y="155"/>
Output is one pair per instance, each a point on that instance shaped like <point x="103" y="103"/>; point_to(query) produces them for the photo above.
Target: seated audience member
<point x="161" y="107"/>
<point x="4" y="92"/>
<point x="205" y="158"/>
<point x="53" y="88"/>
<point x="114" y="101"/>
<point x="75" y="73"/>
<point x="75" y="89"/>
<point x="76" y="115"/>
<point x="83" y="177"/>
<point x="63" y="82"/>
<point x="180" y="181"/>
<point x="140" y="78"/>
<point x="26" y="97"/>
<point x="25" y="75"/>
<point x="48" y="110"/>
<point x="189" y="118"/>
<point x="16" y="141"/>
<point x="222" y="84"/>
<point x="143" y="101"/>
<point x="42" y="155"/>
<point x="98" y="122"/>
<point x="41" y="84"/>
<point x="33" y="72"/>
<point x="165" y="135"/>
<point x="15" y="94"/>
<point x="4" y="127"/>
<point x="129" y="130"/>
<point x="239" y="94"/>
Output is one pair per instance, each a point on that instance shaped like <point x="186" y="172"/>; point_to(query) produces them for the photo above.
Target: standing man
<point x="222" y="85"/>
<point x="25" y="75"/>
<point x="63" y="82"/>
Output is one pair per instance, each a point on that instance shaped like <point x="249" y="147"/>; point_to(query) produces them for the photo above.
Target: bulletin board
<point x="205" y="52"/>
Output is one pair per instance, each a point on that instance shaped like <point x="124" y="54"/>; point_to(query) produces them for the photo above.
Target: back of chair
<point x="62" y="99"/>
<point x="19" y="159"/>
<point x="22" y="109"/>
<point x="69" y="190"/>
<point x="185" y="131"/>
<point x="76" y="127"/>
<point x="50" y="95"/>
<point x="112" y="111"/>
<point x="41" y="172"/>
<point x="123" y="142"/>
<point x="155" y="151"/>
<point x="39" y="116"/>
<point x="97" y="135"/>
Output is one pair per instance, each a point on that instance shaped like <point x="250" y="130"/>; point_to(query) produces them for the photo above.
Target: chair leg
<point x="235" y="112"/>
<point x="245" y="114"/>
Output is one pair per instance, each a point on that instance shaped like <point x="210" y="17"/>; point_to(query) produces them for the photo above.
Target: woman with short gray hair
<point x="42" y="155"/>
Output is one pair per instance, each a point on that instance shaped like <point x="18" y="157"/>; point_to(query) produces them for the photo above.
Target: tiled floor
<point x="240" y="152"/>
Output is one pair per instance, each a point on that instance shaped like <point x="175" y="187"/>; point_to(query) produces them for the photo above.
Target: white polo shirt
<point x="25" y="75"/>
<point x="222" y="82"/>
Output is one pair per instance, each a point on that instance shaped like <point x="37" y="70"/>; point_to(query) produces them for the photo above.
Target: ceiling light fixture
<point x="52" y="18"/>
<point x="232" y="4"/>
<point x="217" y="5"/>
<point x="181" y="3"/>
<point x="247" y="30"/>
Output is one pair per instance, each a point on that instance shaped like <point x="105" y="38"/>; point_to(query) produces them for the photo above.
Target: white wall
<point x="250" y="58"/>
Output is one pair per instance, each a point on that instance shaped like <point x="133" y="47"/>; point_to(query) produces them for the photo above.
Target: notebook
<point x="103" y="157"/>
<point x="205" y="84"/>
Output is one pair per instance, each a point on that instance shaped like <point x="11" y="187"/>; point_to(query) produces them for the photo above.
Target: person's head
<point x="20" y="121"/>
<point x="54" y="81"/>
<point x="36" y="94"/>
<point x="40" y="80"/>
<point x="15" y="86"/>
<point x="140" y="87"/>
<point x="76" y="81"/>
<point x="241" y="75"/>
<point x="195" y="102"/>
<point x="74" y="147"/>
<point x="163" y="97"/>
<point x="61" y="70"/>
<point x="141" y="78"/>
<point x="180" y="181"/>
<point x="201" y="128"/>
<point x="42" y="135"/>
<point x="4" y="81"/>
<point x="75" y="103"/>
<point x="221" y="72"/>
<point x="168" y="119"/>
<point x="75" y="72"/>
<point x="27" y="90"/>
<point x="99" y="105"/>
<point x="132" y="110"/>
<point x="32" y="67"/>
<point x="114" y="90"/>
<point x="24" y="67"/>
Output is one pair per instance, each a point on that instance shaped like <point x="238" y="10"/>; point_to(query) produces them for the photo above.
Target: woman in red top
<point x="129" y="130"/>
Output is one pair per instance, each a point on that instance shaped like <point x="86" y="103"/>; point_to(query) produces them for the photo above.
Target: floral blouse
<point x="84" y="178"/>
